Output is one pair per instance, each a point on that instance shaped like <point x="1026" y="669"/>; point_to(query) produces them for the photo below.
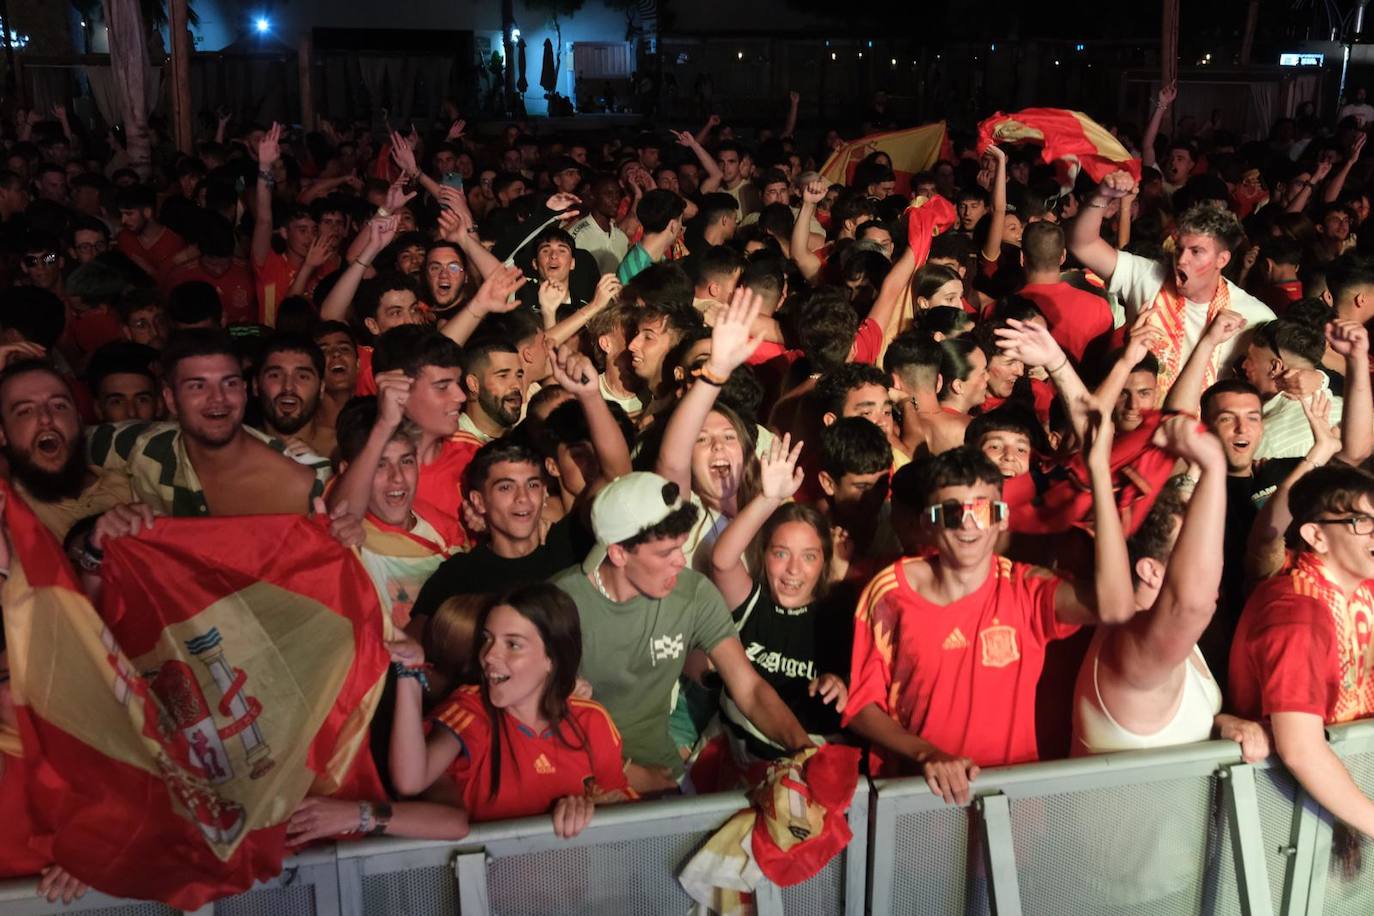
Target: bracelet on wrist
<point x="703" y="374"/>
<point x="381" y="818"/>
<point x="1097" y="206"/>
<point x="1058" y="367"/>
<point x="383" y="212"/>
<point x="417" y="673"/>
<point x="361" y="263"/>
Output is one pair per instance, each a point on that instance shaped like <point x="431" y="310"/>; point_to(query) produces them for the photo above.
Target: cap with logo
<point x="628" y="505"/>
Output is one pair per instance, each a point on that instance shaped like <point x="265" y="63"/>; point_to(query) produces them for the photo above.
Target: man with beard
<point x="340" y="348"/>
<point x="290" y="370"/>
<point x="1179" y="302"/>
<point x="43" y="441"/>
<point x="494" y="382"/>
<point x="206" y="462"/>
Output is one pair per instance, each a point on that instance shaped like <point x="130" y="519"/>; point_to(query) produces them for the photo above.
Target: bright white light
<point x="262" y="24"/>
<point x="832" y="55"/>
<point x="739" y="55"/>
<point x="514" y="34"/>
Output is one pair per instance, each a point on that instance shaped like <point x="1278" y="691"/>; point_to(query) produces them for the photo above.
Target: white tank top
<point x="1096" y="732"/>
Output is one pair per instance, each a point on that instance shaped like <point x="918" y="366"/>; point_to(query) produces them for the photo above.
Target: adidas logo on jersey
<point x="955" y="640"/>
<point x="542" y="765"/>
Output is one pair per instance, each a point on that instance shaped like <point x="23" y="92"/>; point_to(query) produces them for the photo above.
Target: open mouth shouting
<point x="50" y="445"/>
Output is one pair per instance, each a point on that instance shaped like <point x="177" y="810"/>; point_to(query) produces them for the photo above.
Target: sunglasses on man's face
<point x="33" y="260"/>
<point x="951" y="514"/>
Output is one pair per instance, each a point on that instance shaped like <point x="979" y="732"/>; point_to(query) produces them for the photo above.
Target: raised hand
<point x="1144" y="337"/>
<point x="455" y="130"/>
<point x="1357" y="145"/>
<point x="1167" y="94"/>
<point x="1186" y="438"/>
<point x="494" y="295"/>
<point x="731" y="340"/>
<point x="607" y="288"/>
<point x="779" y="476"/>
<point x="551" y="295"/>
<point x="1348" y="339"/>
<point x="1326" y="444"/>
<point x="1321" y="171"/>
<point x="269" y="147"/>
<point x="575" y="373"/>
<point x="1097" y="444"/>
<point x="815" y="192"/>
<point x="713" y="121"/>
<point x="684" y="137"/>
<point x="1225" y="325"/>
<point x="562" y="201"/>
<point x="1031" y="343"/>
<point x="793" y="96"/>
<point x="382" y="230"/>
<point x="321" y="250"/>
<point x="1116" y="185"/>
<point x="393" y="391"/>
<point x="403" y="154"/>
<point x="396" y="197"/>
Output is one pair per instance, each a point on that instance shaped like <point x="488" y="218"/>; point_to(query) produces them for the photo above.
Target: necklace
<point x="600" y="586"/>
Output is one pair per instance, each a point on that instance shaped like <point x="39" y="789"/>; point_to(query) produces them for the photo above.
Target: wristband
<point x="381" y="818"/>
<point x="364" y="817"/>
<point x="1058" y="367"/>
<point x="1098" y="206"/>
<point x="701" y="373"/>
<point x="404" y="671"/>
<point x="267" y="177"/>
<point x="383" y="212"/>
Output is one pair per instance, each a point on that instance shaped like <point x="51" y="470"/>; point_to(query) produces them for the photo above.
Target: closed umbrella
<point x="523" y="84"/>
<point x="548" y="72"/>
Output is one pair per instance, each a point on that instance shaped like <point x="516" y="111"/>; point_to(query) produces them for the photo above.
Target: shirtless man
<point x="206" y="462"/>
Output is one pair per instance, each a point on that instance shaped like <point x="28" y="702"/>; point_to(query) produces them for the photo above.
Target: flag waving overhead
<point x="234" y="670"/>
<point x="912" y="150"/>
<point x="1068" y="136"/>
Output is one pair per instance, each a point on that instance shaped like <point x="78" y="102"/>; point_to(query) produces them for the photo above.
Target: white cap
<point x="628" y="505"/>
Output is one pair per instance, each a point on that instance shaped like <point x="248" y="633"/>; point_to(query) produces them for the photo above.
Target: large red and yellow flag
<point x="1067" y="136"/>
<point x="232" y="670"/>
<point x="912" y="150"/>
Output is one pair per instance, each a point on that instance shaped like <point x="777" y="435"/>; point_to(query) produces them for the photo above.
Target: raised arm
<point x="1264" y="548"/>
<point x="780" y="479"/>
<point x="1123" y="220"/>
<point x="607" y="289"/>
<point x="1032" y="343"/>
<point x="886" y="311"/>
<point x="731" y="345"/>
<point x="708" y="162"/>
<point x="997" y="219"/>
<point x="1298" y="202"/>
<point x="379" y="231"/>
<point x="1332" y="193"/>
<point x="1186" y="394"/>
<point x="1085" y="235"/>
<point x="802" y="255"/>
<point x="495" y="295"/>
<point x="789" y="126"/>
<point x="1148" y="650"/>
<point x="705" y="133"/>
<point x="576" y="374"/>
<point x="269" y="150"/>
<point x="1166" y="97"/>
<point x="456" y="225"/>
<point x="1351" y="340"/>
<point x="1110" y="598"/>
<point x="1143" y="338"/>
<point x="353" y="488"/>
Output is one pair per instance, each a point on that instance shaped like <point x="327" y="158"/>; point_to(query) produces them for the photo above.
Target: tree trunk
<point x="305" y="73"/>
<point x="1168" y="43"/>
<point x="181" y="77"/>
<point x="129" y="61"/>
<point x="1247" y="41"/>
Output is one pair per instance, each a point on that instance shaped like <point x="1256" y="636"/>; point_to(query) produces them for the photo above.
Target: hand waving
<point x="779" y="476"/>
<point x="731" y="340"/>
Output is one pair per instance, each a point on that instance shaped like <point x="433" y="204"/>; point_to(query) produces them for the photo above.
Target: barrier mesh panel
<point x="822" y="895"/>
<point x="1134" y="850"/>
<point x="1220" y="891"/>
<point x="132" y="909"/>
<point x="1277" y="793"/>
<point x="1350" y="882"/>
<point x="277" y="901"/>
<point x="930" y="850"/>
<point x="428" y="891"/>
<point x="634" y="876"/>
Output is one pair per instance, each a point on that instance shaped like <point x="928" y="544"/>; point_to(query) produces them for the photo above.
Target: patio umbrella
<point x="548" y="71"/>
<point x="523" y="84"/>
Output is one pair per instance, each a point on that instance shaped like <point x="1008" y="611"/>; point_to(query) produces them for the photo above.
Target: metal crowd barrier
<point x="1185" y="831"/>
<point x="1180" y="831"/>
<point x="625" y="862"/>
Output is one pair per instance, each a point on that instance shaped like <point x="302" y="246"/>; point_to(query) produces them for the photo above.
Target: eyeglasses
<point x="952" y="513"/>
<point x="33" y="260"/>
<point x="88" y="247"/>
<point x="1359" y="524"/>
<point x="452" y="267"/>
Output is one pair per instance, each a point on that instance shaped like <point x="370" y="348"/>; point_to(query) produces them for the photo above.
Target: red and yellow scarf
<point x="1170" y="318"/>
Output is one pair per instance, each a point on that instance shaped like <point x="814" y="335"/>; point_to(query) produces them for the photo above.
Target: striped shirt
<point x="154" y="456"/>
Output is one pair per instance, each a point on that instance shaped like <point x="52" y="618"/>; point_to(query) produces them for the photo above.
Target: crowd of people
<point x="705" y="460"/>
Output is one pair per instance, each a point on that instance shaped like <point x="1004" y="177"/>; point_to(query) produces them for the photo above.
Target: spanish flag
<point x="912" y="150"/>
<point x="232" y="669"/>
<point x="1068" y="136"/>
